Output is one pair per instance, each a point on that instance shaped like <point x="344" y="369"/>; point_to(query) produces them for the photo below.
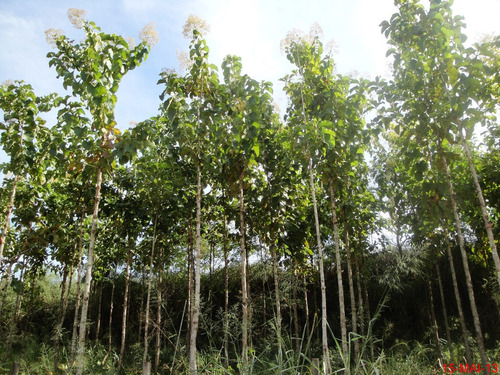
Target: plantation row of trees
<point x="217" y="234"/>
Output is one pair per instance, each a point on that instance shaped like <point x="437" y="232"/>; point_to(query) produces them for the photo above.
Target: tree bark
<point x="354" y="314"/>
<point x="110" y="322"/>
<point x="244" y="292"/>
<point x="141" y="309"/>
<point x="445" y="314"/>
<point x="190" y="272"/>
<point x="148" y="296"/>
<point x="277" y="297"/>
<point x="295" y="312"/>
<point x="468" y="279"/>
<point x="306" y="305"/>
<point x="249" y="303"/>
<point x="360" y="296"/>
<point x="482" y="204"/>
<point x="196" y="307"/>
<point x="264" y="291"/>
<point x="88" y="278"/>
<point x="60" y="320"/>
<point x="324" y="330"/>
<point x="226" y="295"/>
<point x="78" y="295"/>
<point x="125" y="308"/>
<point x="158" y="313"/>
<point x="99" y="308"/>
<point x="433" y="317"/>
<point x="458" y="298"/>
<point x="367" y="310"/>
<point x="340" y="284"/>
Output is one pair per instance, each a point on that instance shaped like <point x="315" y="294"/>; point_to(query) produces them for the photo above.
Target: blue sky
<point x="250" y="29"/>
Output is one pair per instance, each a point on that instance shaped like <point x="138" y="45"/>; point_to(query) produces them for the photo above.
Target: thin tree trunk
<point x="33" y="275"/>
<point x="190" y="291"/>
<point x="324" y="330"/>
<point x="60" y="320"/>
<point x="324" y="322"/>
<point x="340" y="284"/>
<point x="211" y="250"/>
<point x="398" y="242"/>
<point x="78" y="295"/>
<point x="158" y="313"/>
<point x="125" y="308"/>
<point x="360" y="296"/>
<point x="433" y="316"/>
<point x="354" y="314"/>
<point x="148" y="297"/>
<point x="277" y="296"/>
<point x="99" y="309"/>
<point x="264" y="294"/>
<point x="458" y="298"/>
<point x="249" y="304"/>
<point x="445" y="314"/>
<point x="196" y="307"/>
<point x="367" y="310"/>
<point x="110" y="322"/>
<point x="468" y="279"/>
<point x="306" y="305"/>
<point x="295" y="313"/>
<point x="482" y="204"/>
<point x="244" y="284"/>
<point x="88" y="278"/>
<point x="10" y="206"/>
<point x="141" y="309"/>
<point x="315" y="300"/>
<point x="226" y="295"/>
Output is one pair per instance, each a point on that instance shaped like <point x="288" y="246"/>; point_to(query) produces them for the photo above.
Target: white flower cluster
<point x="195" y="23"/>
<point x="52" y="35"/>
<point x="76" y="17"/>
<point x="296" y="35"/>
<point x="149" y="35"/>
<point x="131" y="42"/>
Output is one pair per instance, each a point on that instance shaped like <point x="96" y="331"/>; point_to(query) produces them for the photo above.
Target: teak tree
<point x="436" y="90"/>
<point x="247" y="105"/>
<point x="93" y="69"/>
<point x="307" y="128"/>
<point x="191" y="121"/>
<point x="22" y="131"/>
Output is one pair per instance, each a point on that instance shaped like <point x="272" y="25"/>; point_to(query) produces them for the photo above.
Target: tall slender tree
<point x="22" y="129"/>
<point x="191" y="124"/>
<point x="303" y="87"/>
<point x="435" y="89"/>
<point x="248" y="108"/>
<point x="93" y="69"/>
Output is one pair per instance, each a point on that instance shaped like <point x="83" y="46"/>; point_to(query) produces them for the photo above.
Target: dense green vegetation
<point x="357" y="233"/>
